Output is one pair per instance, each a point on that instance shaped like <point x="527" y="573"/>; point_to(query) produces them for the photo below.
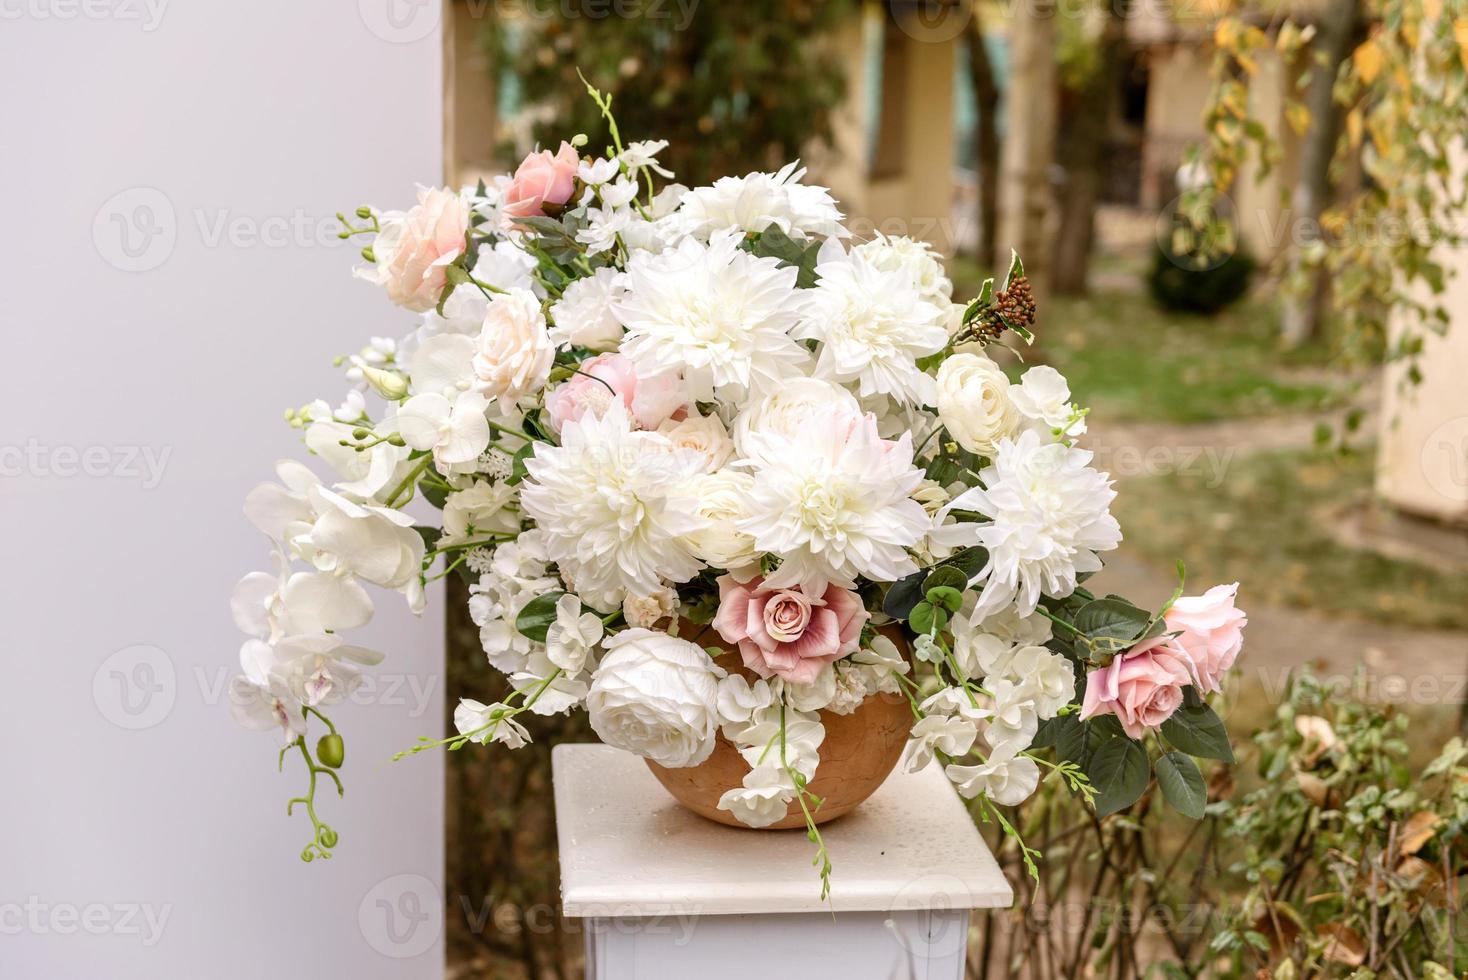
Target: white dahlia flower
<point x="717" y="313"/>
<point x="1048" y="515"/>
<point x="873" y="326"/>
<point x="917" y="258"/>
<point x="612" y="505"/>
<point x="833" y="501"/>
<point x="756" y="201"/>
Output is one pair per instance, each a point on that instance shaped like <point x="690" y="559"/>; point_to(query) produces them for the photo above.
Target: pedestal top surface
<point x="628" y="849"/>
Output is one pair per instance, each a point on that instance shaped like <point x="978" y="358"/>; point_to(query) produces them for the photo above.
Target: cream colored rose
<point x="722" y="500"/>
<point x="705" y="435"/>
<point x="974" y="404"/>
<point x="413" y="250"/>
<point x="514" y="354"/>
<point x="656" y="696"/>
<point x="649" y="610"/>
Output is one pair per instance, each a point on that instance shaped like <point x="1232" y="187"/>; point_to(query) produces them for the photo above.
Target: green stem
<point x="407" y="484"/>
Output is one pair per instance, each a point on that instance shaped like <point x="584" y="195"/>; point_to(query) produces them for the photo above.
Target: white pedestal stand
<point x="668" y="895"/>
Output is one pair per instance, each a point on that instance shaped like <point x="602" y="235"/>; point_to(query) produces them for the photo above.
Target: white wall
<point x="126" y="791"/>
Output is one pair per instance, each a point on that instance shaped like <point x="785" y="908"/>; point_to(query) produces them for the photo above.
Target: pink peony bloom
<point x="542" y="178"/>
<point x="1142" y="686"/>
<point x="607" y="377"/>
<point x="1211" y="633"/>
<point x="414" y="250"/>
<point x="786" y="633"/>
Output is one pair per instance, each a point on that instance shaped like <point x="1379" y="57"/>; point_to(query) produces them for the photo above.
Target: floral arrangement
<point x="661" y="424"/>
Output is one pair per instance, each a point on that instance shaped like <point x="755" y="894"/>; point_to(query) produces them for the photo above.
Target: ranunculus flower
<point x="611" y="377"/>
<point x="542" y="178"/>
<point x="703" y="434"/>
<point x="722" y="502"/>
<point x="656" y="696"/>
<point x="786" y="633"/>
<point x="791" y="407"/>
<point x="974" y="404"/>
<point x="414" y="250"/>
<point x="513" y="355"/>
<point x="1211" y="633"/>
<point x="1142" y="686"/>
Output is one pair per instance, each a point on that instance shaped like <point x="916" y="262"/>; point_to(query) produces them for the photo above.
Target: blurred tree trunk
<point x="1082" y="148"/>
<point x="1304" y="307"/>
<point x="1029" y="142"/>
<point x="986" y="139"/>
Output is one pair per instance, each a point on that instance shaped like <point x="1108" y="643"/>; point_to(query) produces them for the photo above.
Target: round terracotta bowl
<point x="859" y="751"/>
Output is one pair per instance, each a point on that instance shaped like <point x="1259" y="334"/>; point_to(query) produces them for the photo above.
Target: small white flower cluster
<point x="651" y="416"/>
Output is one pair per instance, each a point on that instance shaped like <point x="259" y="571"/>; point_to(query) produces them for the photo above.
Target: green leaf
<point x="518" y="471"/>
<point x="1182" y="784"/>
<point x="945" y="577"/>
<point x="1197" y="731"/>
<point x="537" y="615"/>
<point x="1016" y="268"/>
<point x="1066" y="734"/>
<point x="927" y="618"/>
<point x="903" y="595"/>
<point x="1120" y="772"/>
<point x="433" y="493"/>
<point x="430" y="535"/>
<point x="946" y="597"/>
<point x="1112" y="618"/>
<point x="775" y="243"/>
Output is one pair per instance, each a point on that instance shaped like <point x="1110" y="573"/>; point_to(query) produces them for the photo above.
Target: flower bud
<point x="331" y="750"/>
<point x="387" y="384"/>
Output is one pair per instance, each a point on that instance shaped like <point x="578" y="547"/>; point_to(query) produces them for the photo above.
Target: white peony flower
<point x="513" y="354"/>
<point x="1043" y="397"/>
<point x="915" y="257"/>
<point x="756" y="201"/>
<point x="763" y="799"/>
<point x="656" y="696"/>
<point x="583" y="315"/>
<point x="723" y="501"/>
<point x="570" y="640"/>
<point x="611" y="503"/>
<point x="973" y="403"/>
<point x="832" y="501"/>
<point x="789" y="409"/>
<point x="1006" y="781"/>
<point x="476" y="718"/>
<point x="717" y="313"/>
<point x="702" y="434"/>
<point x="872" y="326"/>
<point x="1047" y="516"/>
<point x="953" y="735"/>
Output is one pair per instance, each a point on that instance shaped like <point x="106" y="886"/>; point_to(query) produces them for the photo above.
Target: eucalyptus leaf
<point x="903" y="594"/>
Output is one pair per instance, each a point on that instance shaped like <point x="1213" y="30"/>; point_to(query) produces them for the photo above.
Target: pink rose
<point x="1211" y="633"/>
<point x="611" y="377"/>
<point x="786" y="633"/>
<point x="1142" y="686"/>
<point x="542" y="178"/>
<point x="414" y="250"/>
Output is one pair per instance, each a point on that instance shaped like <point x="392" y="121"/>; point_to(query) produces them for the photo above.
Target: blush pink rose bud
<point x="413" y="251"/>
<point x="786" y="633"/>
<point x="1142" y="686"/>
<point x="1210" y="632"/>
<point x="611" y="377"/>
<point x="543" y="178"/>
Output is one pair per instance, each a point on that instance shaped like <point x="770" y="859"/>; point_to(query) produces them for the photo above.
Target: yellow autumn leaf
<point x="1432" y="10"/>
<point x="1418" y="830"/>
<point x="1226" y="33"/>
<point x="1298" y="115"/>
<point x="1354" y="127"/>
<point x="1368" y="61"/>
<point x="1460" y="34"/>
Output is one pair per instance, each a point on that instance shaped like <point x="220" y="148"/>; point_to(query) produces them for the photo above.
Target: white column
<point x="172" y="282"/>
<point x="666" y="894"/>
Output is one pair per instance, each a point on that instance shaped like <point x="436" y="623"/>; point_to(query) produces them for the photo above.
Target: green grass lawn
<point x="1130" y="360"/>
<point x="1266" y="524"/>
